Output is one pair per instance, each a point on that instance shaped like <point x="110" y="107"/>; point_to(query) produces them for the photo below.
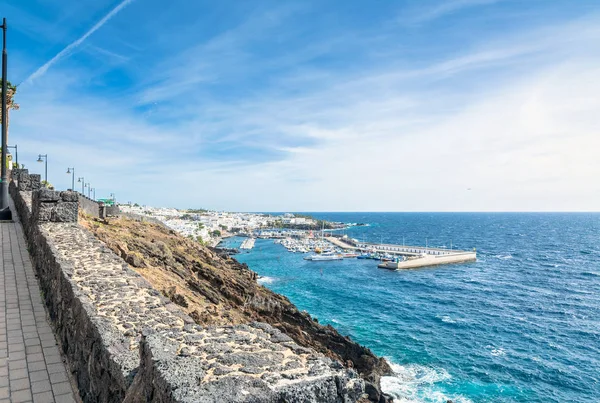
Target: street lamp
<point x="82" y="181"/>
<point x="5" y="213"/>
<point x="113" y="197"/>
<point x="45" y="158"/>
<point x="94" y="193"/>
<point x="88" y="186"/>
<point x="16" y="154"/>
<point x="72" y="171"/>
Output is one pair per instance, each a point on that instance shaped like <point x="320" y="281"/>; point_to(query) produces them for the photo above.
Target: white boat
<point x="324" y="256"/>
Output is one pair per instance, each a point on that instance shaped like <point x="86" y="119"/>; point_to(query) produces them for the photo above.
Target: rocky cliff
<point x="218" y="290"/>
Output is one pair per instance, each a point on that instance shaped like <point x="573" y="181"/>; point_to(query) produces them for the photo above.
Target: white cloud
<point x="515" y="123"/>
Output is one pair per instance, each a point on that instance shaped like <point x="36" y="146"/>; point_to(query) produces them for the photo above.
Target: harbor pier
<point x="416" y="256"/>
<point x="248" y="243"/>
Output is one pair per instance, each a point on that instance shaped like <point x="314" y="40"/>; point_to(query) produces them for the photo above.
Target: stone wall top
<point x="243" y="363"/>
<point x="55" y="206"/>
<point x="193" y="361"/>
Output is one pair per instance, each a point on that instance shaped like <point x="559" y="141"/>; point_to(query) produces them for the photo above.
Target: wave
<point x="446" y="319"/>
<point x="497" y="352"/>
<point x="503" y="257"/>
<point x="265" y="280"/>
<point x="413" y="383"/>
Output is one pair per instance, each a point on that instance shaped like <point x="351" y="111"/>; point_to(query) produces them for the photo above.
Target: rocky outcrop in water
<point x="215" y="289"/>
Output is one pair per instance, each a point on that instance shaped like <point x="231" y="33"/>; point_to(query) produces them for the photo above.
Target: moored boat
<point x="324" y="256"/>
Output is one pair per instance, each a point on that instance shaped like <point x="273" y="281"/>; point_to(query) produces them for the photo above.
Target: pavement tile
<point x="53" y="359"/>
<point x="38" y="376"/>
<point x="19" y="355"/>
<point x="32" y="342"/>
<point x="62" y="388"/>
<point x="35" y="357"/>
<point x="36" y="366"/>
<point x="16" y="347"/>
<point x="44" y="397"/>
<point x="68" y="398"/>
<point x="58" y="377"/>
<point x="41" y="386"/>
<point x="18" y="374"/>
<point x="21" y="396"/>
<point x="19" y="384"/>
<point x="33" y="349"/>
<point x="48" y="343"/>
<point x="54" y="368"/>
<point x="19" y="364"/>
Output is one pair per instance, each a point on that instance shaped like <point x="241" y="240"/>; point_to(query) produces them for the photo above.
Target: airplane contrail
<point x="42" y="70"/>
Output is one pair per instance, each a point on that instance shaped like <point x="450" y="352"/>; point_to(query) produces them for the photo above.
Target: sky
<point x="324" y="105"/>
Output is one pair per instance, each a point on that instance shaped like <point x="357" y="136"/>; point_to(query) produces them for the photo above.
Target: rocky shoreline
<point x="215" y="289"/>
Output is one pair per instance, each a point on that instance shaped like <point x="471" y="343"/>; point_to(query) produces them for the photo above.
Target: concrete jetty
<point x="417" y="256"/>
<point x="430" y="260"/>
<point x="248" y="243"/>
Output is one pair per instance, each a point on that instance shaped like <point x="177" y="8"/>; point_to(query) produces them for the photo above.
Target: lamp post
<point x="94" y="193"/>
<point x="45" y="158"/>
<point x="72" y="171"/>
<point x="16" y="154"/>
<point x="5" y="213"/>
<point x="82" y="181"/>
<point x="88" y="186"/>
<point x="113" y="197"/>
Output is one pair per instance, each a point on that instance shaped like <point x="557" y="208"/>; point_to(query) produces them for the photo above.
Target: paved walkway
<point x="31" y="367"/>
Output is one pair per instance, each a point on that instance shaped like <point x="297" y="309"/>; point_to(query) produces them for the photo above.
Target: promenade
<point x="31" y="366"/>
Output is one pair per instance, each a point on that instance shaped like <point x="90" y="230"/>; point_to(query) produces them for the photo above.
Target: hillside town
<point x="209" y="227"/>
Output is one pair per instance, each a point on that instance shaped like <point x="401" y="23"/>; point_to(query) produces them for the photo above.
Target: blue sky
<point x="313" y="105"/>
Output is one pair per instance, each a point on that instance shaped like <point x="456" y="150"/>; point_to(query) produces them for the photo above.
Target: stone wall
<point x="111" y="211"/>
<point x="26" y="181"/>
<point x="126" y="342"/>
<point x="90" y="207"/>
<point x="96" y="209"/>
<point x="54" y="206"/>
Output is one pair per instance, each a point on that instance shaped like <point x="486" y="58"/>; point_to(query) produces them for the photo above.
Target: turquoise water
<point x="522" y="324"/>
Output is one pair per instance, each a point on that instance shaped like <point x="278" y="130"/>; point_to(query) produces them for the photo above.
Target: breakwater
<point x="418" y="256"/>
<point x="248" y="243"/>
<point x="124" y="341"/>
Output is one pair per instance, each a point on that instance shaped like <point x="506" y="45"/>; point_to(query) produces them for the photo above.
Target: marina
<point x="320" y="247"/>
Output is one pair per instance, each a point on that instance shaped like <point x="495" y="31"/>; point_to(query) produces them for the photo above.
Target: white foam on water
<point x="265" y="280"/>
<point x="448" y="319"/>
<point x="413" y="383"/>
<point x="503" y="257"/>
<point x="496" y="352"/>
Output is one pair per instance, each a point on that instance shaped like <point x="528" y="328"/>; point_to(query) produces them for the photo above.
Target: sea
<point x="521" y="324"/>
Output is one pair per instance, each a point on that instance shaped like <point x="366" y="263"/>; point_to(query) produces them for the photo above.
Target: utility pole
<point x="5" y="213"/>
